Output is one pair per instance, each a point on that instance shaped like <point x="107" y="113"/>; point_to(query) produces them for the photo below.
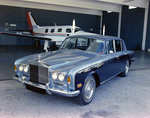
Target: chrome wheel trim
<point x="127" y="68"/>
<point x="89" y="90"/>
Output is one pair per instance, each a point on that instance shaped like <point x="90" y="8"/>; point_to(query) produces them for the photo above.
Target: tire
<point x="126" y="71"/>
<point x="88" y="91"/>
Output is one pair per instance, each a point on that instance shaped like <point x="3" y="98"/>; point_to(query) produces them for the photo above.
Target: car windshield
<point x="90" y="45"/>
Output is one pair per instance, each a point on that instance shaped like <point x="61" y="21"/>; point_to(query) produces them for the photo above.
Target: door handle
<point x="117" y="58"/>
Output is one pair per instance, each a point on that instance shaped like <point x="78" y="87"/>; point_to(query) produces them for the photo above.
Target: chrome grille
<point x="38" y="74"/>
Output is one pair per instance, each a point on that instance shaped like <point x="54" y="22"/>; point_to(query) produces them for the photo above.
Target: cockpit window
<point x="77" y="29"/>
<point x="68" y="30"/>
<point x="90" y="45"/>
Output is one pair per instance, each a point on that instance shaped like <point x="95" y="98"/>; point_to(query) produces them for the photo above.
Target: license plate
<point x="35" y="89"/>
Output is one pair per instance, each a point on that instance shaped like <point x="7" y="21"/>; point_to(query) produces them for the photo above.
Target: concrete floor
<point x="121" y="97"/>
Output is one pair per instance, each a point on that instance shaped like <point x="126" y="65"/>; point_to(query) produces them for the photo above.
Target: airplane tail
<point x="31" y="22"/>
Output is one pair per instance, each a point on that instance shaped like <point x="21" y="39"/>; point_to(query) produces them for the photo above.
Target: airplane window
<point x="77" y="29"/>
<point x="46" y="31"/>
<point x="68" y="30"/>
<point x="59" y="30"/>
<point x="52" y="30"/>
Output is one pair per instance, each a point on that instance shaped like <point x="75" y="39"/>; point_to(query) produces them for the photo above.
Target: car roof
<point x="95" y="36"/>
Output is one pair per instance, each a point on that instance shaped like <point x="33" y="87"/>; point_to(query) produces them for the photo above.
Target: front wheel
<point x="126" y="71"/>
<point x="88" y="91"/>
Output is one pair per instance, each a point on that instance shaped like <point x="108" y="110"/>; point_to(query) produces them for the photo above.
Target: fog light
<point x="23" y="77"/>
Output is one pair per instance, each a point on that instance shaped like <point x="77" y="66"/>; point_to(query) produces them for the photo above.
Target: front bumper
<point x="48" y="89"/>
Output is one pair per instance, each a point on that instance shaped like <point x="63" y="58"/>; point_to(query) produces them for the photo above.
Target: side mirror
<point x="110" y="52"/>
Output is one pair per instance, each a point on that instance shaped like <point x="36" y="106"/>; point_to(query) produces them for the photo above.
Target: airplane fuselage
<point x="56" y="33"/>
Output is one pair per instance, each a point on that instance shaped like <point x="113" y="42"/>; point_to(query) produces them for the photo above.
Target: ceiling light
<point x="109" y="11"/>
<point x="132" y="7"/>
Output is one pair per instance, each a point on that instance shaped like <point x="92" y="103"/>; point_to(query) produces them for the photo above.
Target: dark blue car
<point x="82" y="63"/>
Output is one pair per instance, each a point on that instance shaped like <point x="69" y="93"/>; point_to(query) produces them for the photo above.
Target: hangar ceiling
<point x="79" y="6"/>
<point x="90" y="3"/>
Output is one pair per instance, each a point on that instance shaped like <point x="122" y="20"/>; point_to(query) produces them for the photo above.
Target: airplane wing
<point x="23" y="31"/>
<point x="47" y="40"/>
<point x="26" y="35"/>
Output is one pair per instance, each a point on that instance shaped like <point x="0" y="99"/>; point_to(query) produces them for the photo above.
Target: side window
<point x="46" y="31"/>
<point x="59" y="30"/>
<point x="68" y="30"/>
<point x="52" y="30"/>
<point x="110" y="47"/>
<point x="118" y="45"/>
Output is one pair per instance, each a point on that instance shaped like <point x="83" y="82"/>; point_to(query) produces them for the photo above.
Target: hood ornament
<point x="39" y="58"/>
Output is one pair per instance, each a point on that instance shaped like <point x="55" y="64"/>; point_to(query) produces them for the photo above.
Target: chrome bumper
<point x="64" y="93"/>
<point x="49" y="90"/>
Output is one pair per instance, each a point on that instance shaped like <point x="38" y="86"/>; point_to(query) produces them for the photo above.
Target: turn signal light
<point x="69" y="80"/>
<point x="15" y="68"/>
<point x="79" y="85"/>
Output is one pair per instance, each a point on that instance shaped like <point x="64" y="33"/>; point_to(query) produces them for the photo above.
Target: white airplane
<point x="48" y="33"/>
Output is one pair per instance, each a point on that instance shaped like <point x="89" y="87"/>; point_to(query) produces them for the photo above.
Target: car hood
<point x="62" y="60"/>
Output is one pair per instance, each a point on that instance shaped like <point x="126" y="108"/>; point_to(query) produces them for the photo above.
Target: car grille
<point x="38" y="74"/>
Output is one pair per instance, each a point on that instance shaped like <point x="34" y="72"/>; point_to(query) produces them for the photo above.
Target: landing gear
<point x="50" y="46"/>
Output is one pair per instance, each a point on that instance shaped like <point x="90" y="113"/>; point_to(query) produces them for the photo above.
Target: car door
<point x="113" y="59"/>
<point x="120" y="53"/>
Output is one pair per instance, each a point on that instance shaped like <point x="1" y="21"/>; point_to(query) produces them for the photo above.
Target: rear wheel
<point x="126" y="71"/>
<point x="88" y="91"/>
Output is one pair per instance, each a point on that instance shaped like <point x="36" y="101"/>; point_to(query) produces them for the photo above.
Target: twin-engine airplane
<point x="47" y="33"/>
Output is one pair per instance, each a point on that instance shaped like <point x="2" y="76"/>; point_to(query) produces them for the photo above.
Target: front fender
<point x="80" y="78"/>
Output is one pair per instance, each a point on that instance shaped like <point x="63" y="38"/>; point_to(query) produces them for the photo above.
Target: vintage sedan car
<point x="82" y="63"/>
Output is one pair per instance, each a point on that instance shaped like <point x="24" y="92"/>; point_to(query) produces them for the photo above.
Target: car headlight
<point x="61" y="77"/>
<point x="25" y="69"/>
<point x="54" y="75"/>
<point x="20" y="68"/>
